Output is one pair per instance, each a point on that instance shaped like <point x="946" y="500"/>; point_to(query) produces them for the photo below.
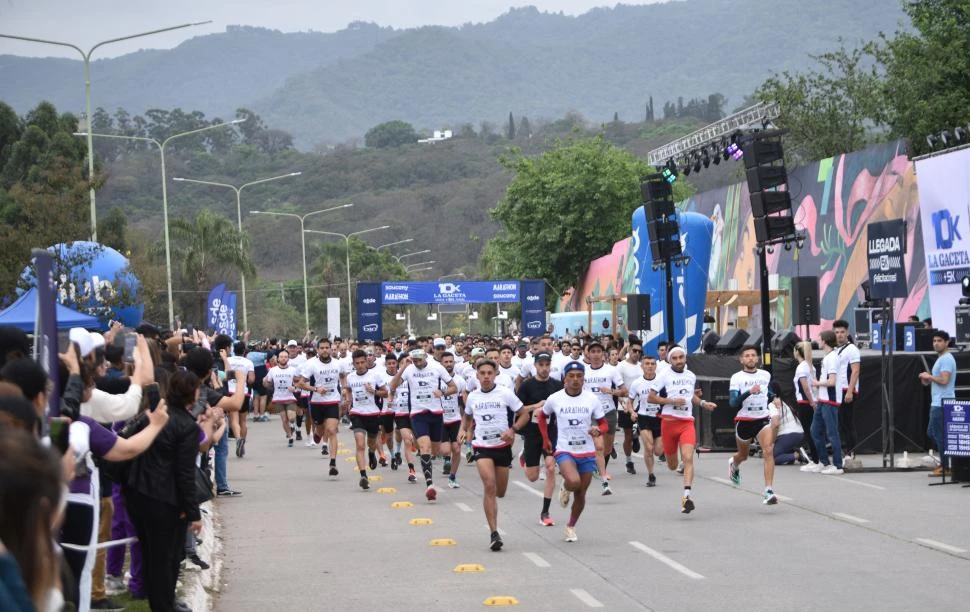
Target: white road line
<point x="850" y="518"/>
<point x="721" y="480"/>
<point x="586" y="598"/>
<point x="667" y="560"/>
<point x="527" y="488"/>
<point x="859" y="482"/>
<point x="940" y="546"/>
<point x="539" y="561"/>
<point x="463" y="507"/>
<point x="784" y="498"/>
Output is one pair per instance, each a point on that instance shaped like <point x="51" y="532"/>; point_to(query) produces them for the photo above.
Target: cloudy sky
<point x="87" y="22"/>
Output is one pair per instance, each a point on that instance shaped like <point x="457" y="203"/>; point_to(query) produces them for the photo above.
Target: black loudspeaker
<point x="709" y="341"/>
<point x="804" y="293"/>
<point x="783" y="344"/>
<point x="638" y="311"/>
<point x="731" y="342"/>
<point x="716" y="429"/>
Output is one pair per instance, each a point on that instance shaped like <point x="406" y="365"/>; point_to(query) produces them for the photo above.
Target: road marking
<point x="726" y="481"/>
<point x="850" y="518"/>
<point x="463" y="507"/>
<point x="539" y="561"/>
<point x="586" y="598"/>
<point x="940" y="546"/>
<point x="527" y="488"/>
<point x="859" y="482"/>
<point x="722" y="480"/>
<point x="667" y="560"/>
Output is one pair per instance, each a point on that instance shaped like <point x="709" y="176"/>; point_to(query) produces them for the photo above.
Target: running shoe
<point x="299" y="435"/>
<point x="239" y="447"/>
<point x="734" y="473"/>
<point x="606" y="488"/>
<point x="571" y="534"/>
<point x="333" y="470"/>
<point x="453" y="484"/>
<point x="613" y="453"/>
<point x="636" y="439"/>
<point x="831" y="469"/>
<point x="431" y="493"/>
<point x="496" y="544"/>
<point x="546" y="520"/>
<point x="394" y="463"/>
<point x="412" y="478"/>
<point x="397" y="459"/>
<point x="630" y="469"/>
<point x="680" y="469"/>
<point x="446" y="468"/>
<point x="382" y="461"/>
<point x="228" y="493"/>
<point x="651" y="480"/>
<point x="563" y="495"/>
<point x="804" y="455"/>
<point x="662" y="458"/>
<point x="364" y="483"/>
<point x="686" y="505"/>
<point x="770" y="499"/>
<point x="324" y="449"/>
<point x="372" y="460"/>
<point x="290" y="442"/>
<point x="309" y="443"/>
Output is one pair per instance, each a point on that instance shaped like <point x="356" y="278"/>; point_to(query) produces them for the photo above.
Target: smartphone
<point x="60" y="433"/>
<point x="189" y="329"/>
<point x="63" y="341"/>
<point x="130" y="342"/>
<point x="151" y="392"/>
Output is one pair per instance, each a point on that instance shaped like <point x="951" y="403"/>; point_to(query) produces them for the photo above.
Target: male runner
<point x="575" y="410"/>
<point x="403" y="434"/>
<point x="750" y="395"/>
<point x="424" y="381"/>
<point x="674" y="391"/>
<point x="533" y="392"/>
<point x="387" y="410"/>
<point x="646" y="414"/>
<point x="505" y="364"/>
<point x="282" y="379"/>
<point x="605" y="382"/>
<point x="630" y="370"/>
<point x="362" y="387"/>
<point x="452" y="405"/>
<point x="239" y="363"/>
<point x="488" y="409"/>
<point x="324" y="376"/>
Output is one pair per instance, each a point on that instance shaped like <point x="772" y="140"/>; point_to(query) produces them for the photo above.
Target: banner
<point x="213" y="304"/>
<point x="533" y="307"/>
<point x="333" y="318"/>
<point x="458" y="292"/>
<point x="226" y="314"/>
<point x="369" y="321"/>
<point x="886" y="250"/>
<point x="956" y="428"/>
<point x="46" y="328"/>
<point x="944" y="194"/>
<point x="231" y="312"/>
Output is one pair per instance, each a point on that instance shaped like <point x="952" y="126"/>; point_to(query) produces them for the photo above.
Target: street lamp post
<point x="302" y="219"/>
<point x="238" y="190"/>
<point x="86" y="56"/>
<point x="346" y="237"/>
<point x="398" y="258"/>
<point x="390" y="244"/>
<point x="161" y="149"/>
<point x="423" y="263"/>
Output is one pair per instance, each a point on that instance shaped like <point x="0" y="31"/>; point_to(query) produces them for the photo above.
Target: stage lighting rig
<point x="965" y="287"/>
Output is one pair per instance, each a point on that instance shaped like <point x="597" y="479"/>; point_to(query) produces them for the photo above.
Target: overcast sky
<point x="87" y="22"/>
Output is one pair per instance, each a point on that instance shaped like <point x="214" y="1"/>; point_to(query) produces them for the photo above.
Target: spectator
<point x="788" y="429"/>
<point x="942" y="382"/>
<point x="13" y="344"/>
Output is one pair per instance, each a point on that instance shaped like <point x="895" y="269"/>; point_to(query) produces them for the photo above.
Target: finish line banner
<point x="460" y="292"/>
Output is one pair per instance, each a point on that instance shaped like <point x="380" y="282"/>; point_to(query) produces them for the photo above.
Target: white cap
<point x="82" y="338"/>
<point x="291" y="343"/>
<point x="439" y="342"/>
<point x="418" y="354"/>
<point x="98" y="340"/>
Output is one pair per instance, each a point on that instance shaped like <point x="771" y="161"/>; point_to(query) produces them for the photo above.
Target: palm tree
<point x="209" y="248"/>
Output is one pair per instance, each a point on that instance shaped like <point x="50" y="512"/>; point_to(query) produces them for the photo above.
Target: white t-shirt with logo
<point x="672" y="384"/>
<point x="282" y="381"/>
<point x="326" y="375"/>
<point x="604" y="376"/>
<point x="422" y="384"/>
<point x="575" y="414"/>
<point x="490" y="409"/>
<point x="807" y="371"/>
<point x="449" y="403"/>
<point x="238" y="363"/>
<point x="848" y="354"/>
<point x="364" y="403"/>
<point x="640" y="392"/>
<point x="830" y="365"/>
<point x="755" y="406"/>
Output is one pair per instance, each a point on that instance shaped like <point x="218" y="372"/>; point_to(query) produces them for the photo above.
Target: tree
<point x="112" y="229"/>
<point x="562" y="209"/>
<point x="510" y="131"/>
<point x="525" y="130"/>
<point x="390" y="134"/>
<point x="207" y="248"/>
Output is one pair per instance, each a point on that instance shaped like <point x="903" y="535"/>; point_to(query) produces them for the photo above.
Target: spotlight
<point x="716" y="154"/>
<point x="959" y="134"/>
<point x="945" y="138"/>
<point x="771" y="249"/>
<point x="787" y="245"/>
<point x="705" y="158"/>
<point x="669" y="171"/>
<point x="965" y="286"/>
<point x="734" y="151"/>
<point x="724" y="146"/>
<point x="931" y="141"/>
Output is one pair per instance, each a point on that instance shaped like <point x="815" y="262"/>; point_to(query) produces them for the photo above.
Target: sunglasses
<point x="636" y="350"/>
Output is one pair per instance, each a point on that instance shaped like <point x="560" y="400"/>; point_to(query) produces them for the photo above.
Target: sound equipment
<point x="716" y="429"/>
<point x="783" y="344"/>
<point x="805" y="309"/>
<point x="709" y="341"/>
<point x="755" y="338"/>
<point x="924" y="339"/>
<point x="638" y="311"/>
<point x="731" y="342"/>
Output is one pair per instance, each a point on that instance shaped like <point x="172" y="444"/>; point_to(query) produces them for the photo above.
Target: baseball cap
<point x="543" y="357"/>
<point x="291" y="343"/>
<point x="98" y="340"/>
<point x="573" y="365"/>
<point x="478" y="351"/>
<point x="595" y="343"/>
<point x="439" y="342"/>
<point x="418" y="354"/>
<point x="523" y="344"/>
<point x="82" y="338"/>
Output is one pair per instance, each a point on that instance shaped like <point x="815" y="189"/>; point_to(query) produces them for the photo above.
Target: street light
<point x="161" y="149"/>
<point x="390" y="244"/>
<point x="302" y="218"/>
<point x="423" y="263"/>
<point x="346" y="237"/>
<point x="398" y="258"/>
<point x="238" y="190"/>
<point x="86" y="56"/>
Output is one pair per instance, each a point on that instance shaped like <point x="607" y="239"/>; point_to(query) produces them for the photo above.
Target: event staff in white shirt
<point x="806" y="402"/>
<point x="362" y="388"/>
<point x="826" y="421"/>
<point x="487" y="413"/>
<point x="675" y="393"/>
<point x="750" y="395"/>
<point x="848" y="380"/>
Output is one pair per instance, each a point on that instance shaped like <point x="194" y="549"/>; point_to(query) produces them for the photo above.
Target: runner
<point x="506" y="366"/>
<point x="674" y="391"/>
<point x="646" y="414"/>
<point x="487" y="411"/>
<point x="324" y="376"/>
<point x="533" y="392"/>
<point x="387" y="410"/>
<point x="424" y="380"/>
<point x="403" y="434"/>
<point x="605" y="382"/>
<point x="282" y="379"/>
<point x="258" y="357"/>
<point x="239" y="363"/>
<point x="362" y="388"/>
<point x="452" y="406"/>
<point x="575" y="410"/>
<point x="630" y="370"/>
<point x="750" y="395"/>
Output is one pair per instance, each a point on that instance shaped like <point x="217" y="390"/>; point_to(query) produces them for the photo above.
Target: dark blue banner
<point x="886" y="249"/>
<point x="213" y="304"/>
<point x="452" y="292"/>
<point x="956" y="428"/>
<point x="369" y="323"/>
<point x="533" y="307"/>
<point x="46" y="327"/>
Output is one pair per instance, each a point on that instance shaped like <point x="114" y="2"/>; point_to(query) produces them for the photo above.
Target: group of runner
<point x="430" y="397"/>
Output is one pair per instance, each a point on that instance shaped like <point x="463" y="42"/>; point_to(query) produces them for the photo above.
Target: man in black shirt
<point x="533" y="393"/>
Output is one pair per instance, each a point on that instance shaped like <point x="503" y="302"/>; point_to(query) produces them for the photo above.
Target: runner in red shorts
<point x="674" y="391"/>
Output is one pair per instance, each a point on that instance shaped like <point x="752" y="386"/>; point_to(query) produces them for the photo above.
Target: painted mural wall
<point x="833" y="200"/>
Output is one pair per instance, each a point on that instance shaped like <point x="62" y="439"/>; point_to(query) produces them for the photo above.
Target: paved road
<point x="873" y="541"/>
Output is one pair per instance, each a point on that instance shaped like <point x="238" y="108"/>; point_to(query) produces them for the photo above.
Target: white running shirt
<point x="491" y="413"/>
<point x="575" y="414"/>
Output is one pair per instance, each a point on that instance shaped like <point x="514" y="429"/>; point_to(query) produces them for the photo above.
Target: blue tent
<point x="22" y="314"/>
